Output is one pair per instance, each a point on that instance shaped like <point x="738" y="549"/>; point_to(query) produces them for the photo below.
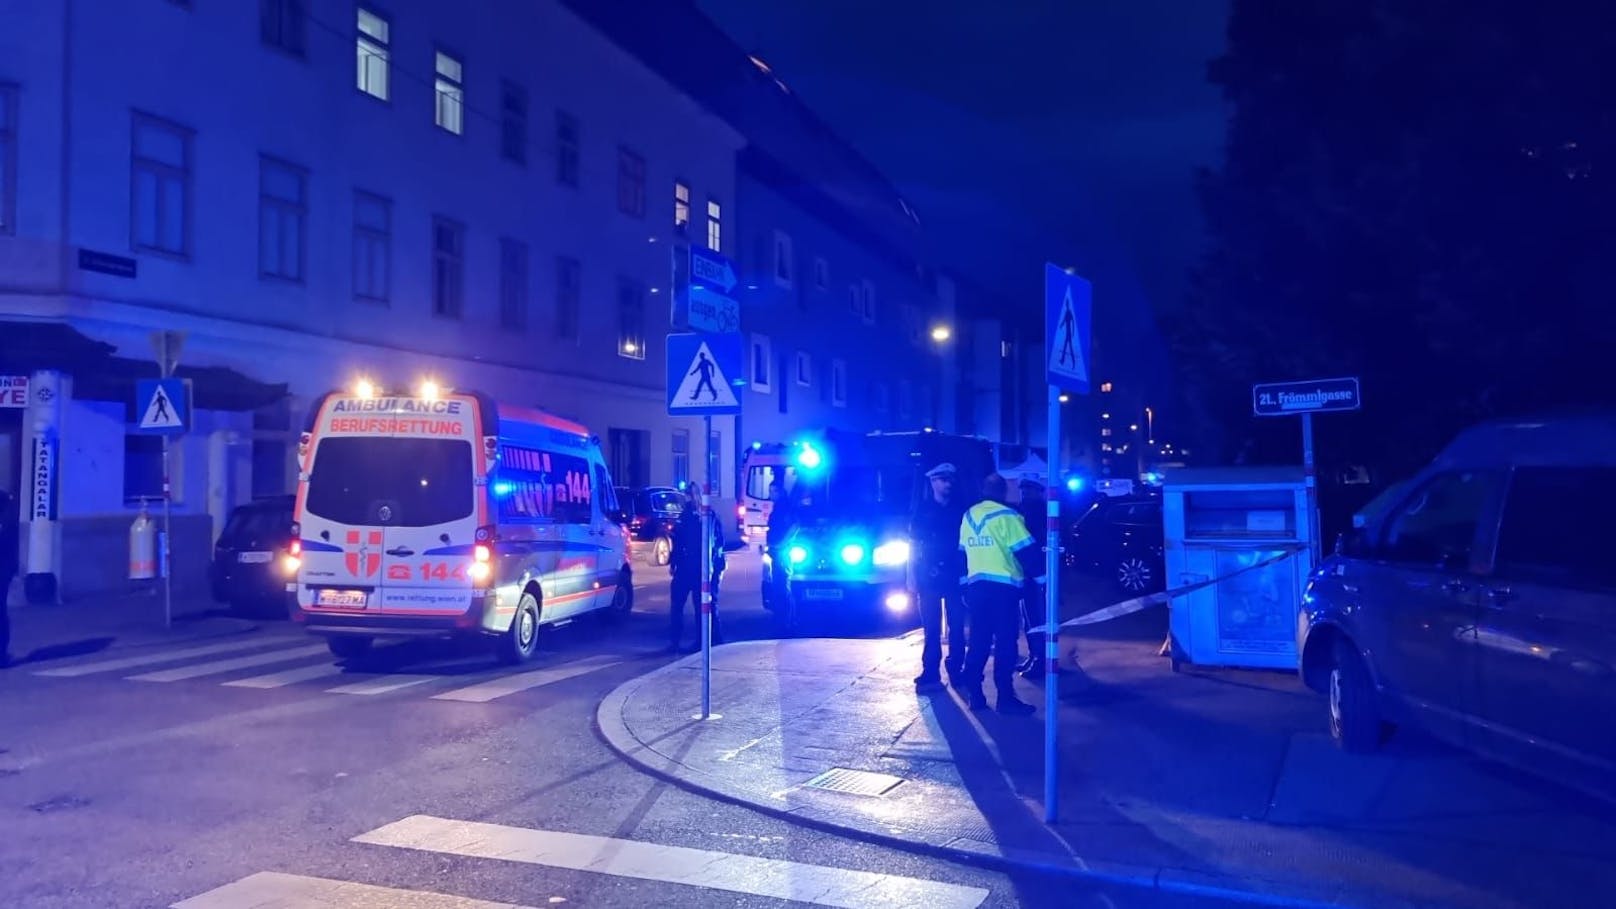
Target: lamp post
<point x="941" y="334"/>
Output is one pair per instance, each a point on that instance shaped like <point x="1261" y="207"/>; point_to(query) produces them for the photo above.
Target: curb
<point x="610" y="728"/>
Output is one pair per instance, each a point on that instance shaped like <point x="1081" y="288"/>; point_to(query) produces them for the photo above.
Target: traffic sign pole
<point x="1312" y="480"/>
<point x="1052" y="563"/>
<point x="707" y="579"/>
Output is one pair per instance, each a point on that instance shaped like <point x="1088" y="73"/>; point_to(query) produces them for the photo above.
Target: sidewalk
<point x="136" y="620"/>
<point x="1207" y="781"/>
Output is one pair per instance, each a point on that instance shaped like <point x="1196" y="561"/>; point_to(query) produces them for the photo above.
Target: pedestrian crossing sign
<point x="163" y="406"/>
<point x="703" y="372"/>
<point x="1067" y="307"/>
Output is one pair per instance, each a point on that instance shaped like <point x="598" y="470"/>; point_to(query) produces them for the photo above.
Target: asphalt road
<point x="240" y="771"/>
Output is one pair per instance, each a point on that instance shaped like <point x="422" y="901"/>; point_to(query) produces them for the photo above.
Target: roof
<point x="534" y="415"/>
<point x="681" y="44"/>
<point x="1581" y="439"/>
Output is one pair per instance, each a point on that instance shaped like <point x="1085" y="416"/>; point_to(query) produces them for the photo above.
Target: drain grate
<point x="854" y="782"/>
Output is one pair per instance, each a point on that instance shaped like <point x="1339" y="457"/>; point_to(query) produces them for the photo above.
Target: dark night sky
<point x="1023" y="130"/>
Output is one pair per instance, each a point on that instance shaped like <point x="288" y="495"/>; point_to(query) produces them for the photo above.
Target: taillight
<point x="740" y="511"/>
<point x="481" y="555"/>
<point x="296" y="548"/>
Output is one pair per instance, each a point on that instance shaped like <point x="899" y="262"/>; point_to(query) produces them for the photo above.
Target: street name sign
<point x="1283" y="399"/>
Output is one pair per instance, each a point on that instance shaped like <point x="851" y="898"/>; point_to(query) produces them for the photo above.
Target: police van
<point x="446" y="513"/>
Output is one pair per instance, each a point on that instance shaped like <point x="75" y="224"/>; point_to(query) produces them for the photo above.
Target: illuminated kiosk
<point x="1242" y="533"/>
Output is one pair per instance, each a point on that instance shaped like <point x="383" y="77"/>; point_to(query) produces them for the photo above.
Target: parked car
<point x="1120" y="539"/>
<point x="1478" y="601"/>
<point x="249" y="568"/>
<point x="650" y="513"/>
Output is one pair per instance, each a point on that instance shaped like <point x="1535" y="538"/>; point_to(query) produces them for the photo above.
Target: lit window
<point x="283" y="212"/>
<point x="372" y="46"/>
<point x="1106" y="432"/>
<point x="450" y="111"/>
<point x="715" y="227"/>
<point x="513" y="122"/>
<point x="630" y="183"/>
<point x="681" y="206"/>
<point x="372" y="246"/>
<point x="161" y="196"/>
<point x="1105" y="388"/>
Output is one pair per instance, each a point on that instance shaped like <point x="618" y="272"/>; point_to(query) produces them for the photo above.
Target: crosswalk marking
<point x="522" y="681"/>
<point x="777" y="878"/>
<point x="215" y="667"/>
<point x="147" y="659"/>
<point x="288" y="676"/>
<point x="272" y="890"/>
<point x="384" y="684"/>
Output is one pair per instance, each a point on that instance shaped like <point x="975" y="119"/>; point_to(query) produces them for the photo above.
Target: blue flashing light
<point x="797" y="554"/>
<point x="756" y="446"/>
<point x="503" y="488"/>
<point x="809" y="457"/>
<point x="853" y="553"/>
<point x="1074" y="484"/>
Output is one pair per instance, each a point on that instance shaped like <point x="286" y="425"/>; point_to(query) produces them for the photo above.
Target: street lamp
<point x="941" y="333"/>
<point x="1150" y="426"/>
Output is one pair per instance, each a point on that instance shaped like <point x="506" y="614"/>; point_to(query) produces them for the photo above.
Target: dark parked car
<point x="249" y="570"/>
<point x="1120" y="539"/>
<point x="650" y="514"/>
<point x="1478" y="601"/>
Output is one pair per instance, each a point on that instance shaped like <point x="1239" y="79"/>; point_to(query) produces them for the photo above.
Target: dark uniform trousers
<point x="688" y="587"/>
<point x="940" y="603"/>
<point x="996" y="629"/>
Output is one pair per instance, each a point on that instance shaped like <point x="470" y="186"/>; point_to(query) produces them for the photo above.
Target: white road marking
<point x="271" y="890"/>
<point x="167" y="656"/>
<point x="289" y="676"/>
<point x="384" y="684"/>
<point x="816" y="884"/>
<point x="522" y="681"/>
<point x="217" y="666"/>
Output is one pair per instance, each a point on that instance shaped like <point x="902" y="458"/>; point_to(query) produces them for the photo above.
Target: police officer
<point x="1034" y="510"/>
<point x="938" y="566"/>
<point x="1000" y="555"/>
<point x="8" y="569"/>
<point x="684" y="564"/>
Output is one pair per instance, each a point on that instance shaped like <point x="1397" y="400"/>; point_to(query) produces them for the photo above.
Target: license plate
<point x="350" y="598"/>
<point x="254" y="558"/>
<point x="823" y="593"/>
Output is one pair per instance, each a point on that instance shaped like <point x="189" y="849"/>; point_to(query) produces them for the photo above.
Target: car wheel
<point x="1134" y="575"/>
<point x="348" y="648"/>
<point x="661" y="551"/>
<point x="518" y="643"/>
<point x="1355" y="722"/>
<point x="622" y="599"/>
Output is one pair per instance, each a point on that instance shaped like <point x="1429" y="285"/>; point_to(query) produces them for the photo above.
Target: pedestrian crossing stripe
<point x="272" y="889"/>
<point x="704" y="384"/>
<point x="161" y="412"/>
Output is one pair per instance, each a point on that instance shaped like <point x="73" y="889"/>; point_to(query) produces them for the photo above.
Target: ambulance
<point x="444" y="513"/>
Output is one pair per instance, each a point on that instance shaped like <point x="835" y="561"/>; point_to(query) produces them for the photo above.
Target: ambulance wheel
<point x="517" y="645"/>
<point x="348" y="648"/>
<point x="622" y="599"/>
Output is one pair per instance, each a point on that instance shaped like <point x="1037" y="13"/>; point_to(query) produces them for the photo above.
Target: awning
<point x="98" y="375"/>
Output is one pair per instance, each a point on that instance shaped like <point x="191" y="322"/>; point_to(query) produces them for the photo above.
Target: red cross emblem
<point x="356" y="553"/>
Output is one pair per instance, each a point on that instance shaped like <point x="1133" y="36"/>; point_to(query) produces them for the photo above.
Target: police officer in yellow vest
<point x="1000" y="555"/>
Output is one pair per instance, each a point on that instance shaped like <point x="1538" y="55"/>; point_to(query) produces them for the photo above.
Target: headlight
<point x="893" y="553"/>
<point x="797" y="554"/>
<point x="852" y="553"/>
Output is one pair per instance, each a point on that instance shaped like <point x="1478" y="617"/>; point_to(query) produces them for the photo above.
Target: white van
<point x="445" y="513"/>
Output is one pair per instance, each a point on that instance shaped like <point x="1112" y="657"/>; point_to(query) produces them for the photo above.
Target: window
<point x="821" y="274"/>
<point x="631" y="319"/>
<point x="1437" y="525"/>
<point x="784" y="268"/>
<point x="681" y="457"/>
<point x="762" y="356"/>
<point x="838" y="383"/>
<point x="1105" y="388"/>
<point x="8" y="159"/>
<point x="715" y="227"/>
<point x="513" y="122"/>
<point x="569" y="279"/>
<point x="449" y="87"/>
<point x="805" y="369"/>
<point x="868" y="300"/>
<point x="681" y="206"/>
<point x="608" y="494"/>
<point x="855" y="299"/>
<point x="906" y="399"/>
<point x="715" y="462"/>
<point x="1105" y="432"/>
<point x="283" y="24"/>
<point x="567" y="153"/>
<point x="1557" y="529"/>
<point x="283" y="214"/>
<point x="512" y="285"/>
<point x="883" y="397"/>
<point x="372" y="43"/>
<point x="142" y="467"/>
<point x="628" y="451"/>
<point x="542" y="487"/>
<point x="372" y="247"/>
<point x="630" y="183"/>
<point x="448" y="266"/>
<point x="161" y="196"/>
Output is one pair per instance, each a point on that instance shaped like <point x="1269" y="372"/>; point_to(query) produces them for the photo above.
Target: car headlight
<point x="852" y="553"/>
<point x="797" y="554"/>
<point x="893" y="553"/>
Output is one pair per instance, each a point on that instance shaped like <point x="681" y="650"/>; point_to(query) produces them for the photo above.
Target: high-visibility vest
<point x="991" y="535"/>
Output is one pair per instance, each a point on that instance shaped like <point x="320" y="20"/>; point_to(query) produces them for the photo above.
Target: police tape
<point x="1139" y="604"/>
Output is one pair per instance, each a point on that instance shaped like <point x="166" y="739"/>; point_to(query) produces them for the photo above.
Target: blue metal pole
<point x="1052" y="564"/>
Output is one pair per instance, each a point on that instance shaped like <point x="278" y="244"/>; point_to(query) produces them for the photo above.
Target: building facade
<point x="314" y="191"/>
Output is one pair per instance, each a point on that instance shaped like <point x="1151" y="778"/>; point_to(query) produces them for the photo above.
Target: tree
<point x="1417" y="193"/>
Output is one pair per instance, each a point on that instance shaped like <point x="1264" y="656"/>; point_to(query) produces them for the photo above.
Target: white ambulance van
<point x="445" y="513"/>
